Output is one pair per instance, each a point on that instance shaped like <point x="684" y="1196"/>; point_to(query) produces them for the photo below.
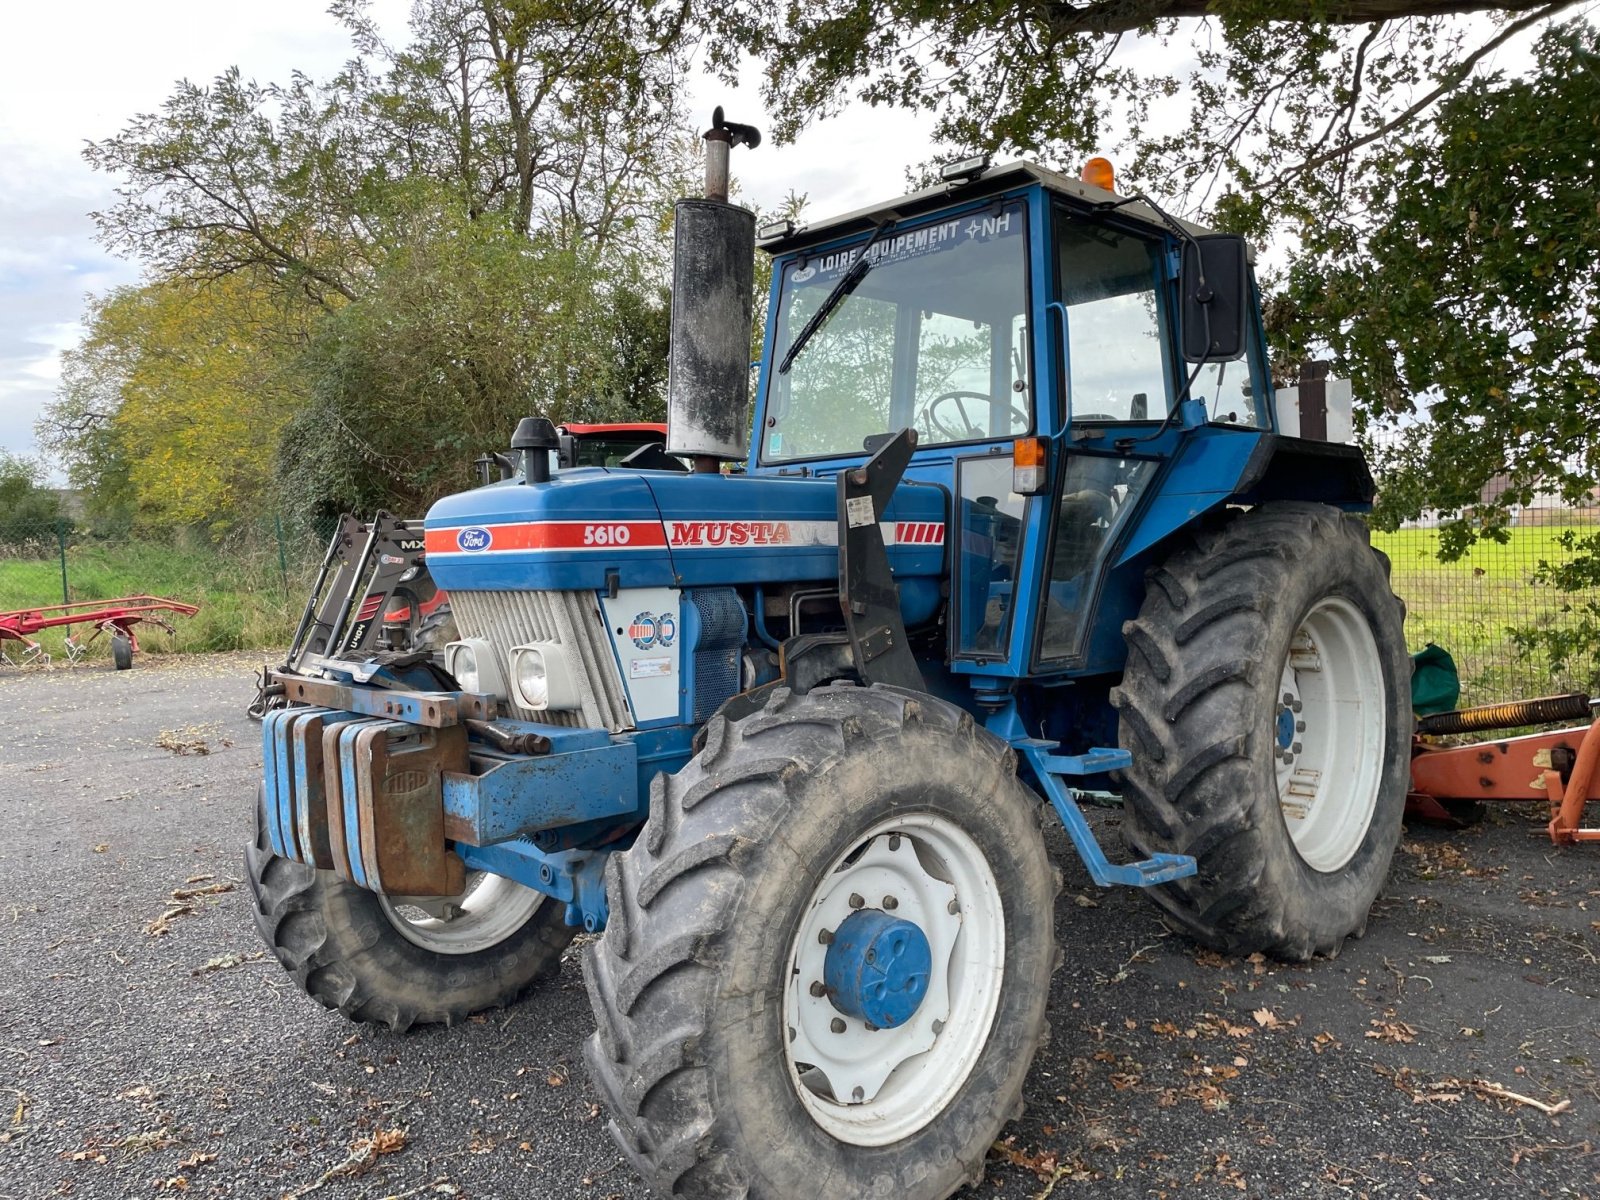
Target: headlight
<point x="473" y="665"/>
<point x="541" y="678"/>
<point x="532" y="686"/>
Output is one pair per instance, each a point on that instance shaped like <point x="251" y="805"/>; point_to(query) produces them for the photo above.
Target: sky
<point x="60" y="89"/>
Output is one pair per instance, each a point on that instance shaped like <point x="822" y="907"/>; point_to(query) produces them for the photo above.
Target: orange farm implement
<point x="115" y="618"/>
<point x="1556" y="768"/>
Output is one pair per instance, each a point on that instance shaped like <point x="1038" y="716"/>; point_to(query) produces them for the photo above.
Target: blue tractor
<point x="1013" y="523"/>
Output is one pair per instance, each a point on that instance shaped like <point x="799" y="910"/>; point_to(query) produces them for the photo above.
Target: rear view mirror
<point x="1216" y="296"/>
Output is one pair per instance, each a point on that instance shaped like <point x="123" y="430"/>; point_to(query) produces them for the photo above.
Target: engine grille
<point x="507" y="619"/>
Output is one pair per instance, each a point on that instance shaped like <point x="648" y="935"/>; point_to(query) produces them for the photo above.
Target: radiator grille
<point x="717" y="653"/>
<point x="507" y="619"/>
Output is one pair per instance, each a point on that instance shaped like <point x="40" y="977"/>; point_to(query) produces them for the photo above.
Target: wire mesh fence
<point x="1496" y="608"/>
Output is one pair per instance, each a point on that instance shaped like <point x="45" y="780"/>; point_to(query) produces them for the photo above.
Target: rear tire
<point x="121" y="652"/>
<point x="347" y="947"/>
<point x="1266" y="703"/>
<point x="702" y="982"/>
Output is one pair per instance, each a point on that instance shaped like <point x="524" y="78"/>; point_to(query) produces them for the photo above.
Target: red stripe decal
<point x="547" y="535"/>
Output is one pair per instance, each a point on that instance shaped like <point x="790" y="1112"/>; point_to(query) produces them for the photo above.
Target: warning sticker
<point x="858" y="511"/>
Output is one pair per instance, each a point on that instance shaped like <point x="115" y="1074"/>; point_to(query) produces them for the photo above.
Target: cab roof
<point x="992" y="181"/>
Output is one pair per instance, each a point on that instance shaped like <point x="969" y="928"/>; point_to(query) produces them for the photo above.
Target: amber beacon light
<point x="1097" y="172"/>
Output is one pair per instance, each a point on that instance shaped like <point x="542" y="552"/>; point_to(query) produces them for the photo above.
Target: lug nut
<point x="856" y="901"/>
<point x="837" y="1025"/>
<point x="871" y="1028"/>
<point x="818" y="988"/>
<point x="825" y="936"/>
<point x="894" y="841"/>
<point x="953" y="908"/>
<point x="1299" y="726"/>
<point x="1288" y="697"/>
<point x="858" y="1095"/>
<point x="890" y="903"/>
<point x="1296" y="706"/>
<point x="1295" y="748"/>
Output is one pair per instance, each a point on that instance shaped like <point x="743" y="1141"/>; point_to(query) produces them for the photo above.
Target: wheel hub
<point x="878" y="1047"/>
<point x="1328" y="734"/>
<point x="877" y="968"/>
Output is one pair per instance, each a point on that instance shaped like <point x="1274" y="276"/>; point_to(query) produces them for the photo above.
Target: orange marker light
<point x="1097" y="172"/>
<point x="1028" y="475"/>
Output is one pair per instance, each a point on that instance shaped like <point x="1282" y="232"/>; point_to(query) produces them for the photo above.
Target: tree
<point x="554" y="117"/>
<point x="169" y="407"/>
<point x="1259" y="109"/>
<point x="29" y="512"/>
<point x="1479" y="292"/>
<point x="443" y="237"/>
<point x="462" y="332"/>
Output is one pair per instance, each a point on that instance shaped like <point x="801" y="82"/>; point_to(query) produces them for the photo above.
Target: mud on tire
<point x="691" y="1054"/>
<point x="1229" y="764"/>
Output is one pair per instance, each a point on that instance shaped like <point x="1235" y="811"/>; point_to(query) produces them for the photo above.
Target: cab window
<point x="1117" y="354"/>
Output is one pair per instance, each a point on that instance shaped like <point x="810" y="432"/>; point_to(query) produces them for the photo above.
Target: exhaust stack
<point x="713" y="271"/>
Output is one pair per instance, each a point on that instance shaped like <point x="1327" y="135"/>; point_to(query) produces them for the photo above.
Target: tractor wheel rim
<point x="489" y="910"/>
<point x="1328" y="734"/>
<point x="870" y="1087"/>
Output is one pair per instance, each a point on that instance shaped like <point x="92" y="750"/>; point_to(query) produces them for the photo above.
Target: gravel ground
<point x="148" y="1048"/>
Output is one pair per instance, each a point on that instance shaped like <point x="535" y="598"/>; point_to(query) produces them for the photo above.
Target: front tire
<point x="1266" y="703"/>
<point x="121" y="652"/>
<point x="722" y="1056"/>
<point x="391" y="963"/>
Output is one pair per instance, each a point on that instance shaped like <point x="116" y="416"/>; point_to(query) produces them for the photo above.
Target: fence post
<point x="283" y="561"/>
<point x="61" y="543"/>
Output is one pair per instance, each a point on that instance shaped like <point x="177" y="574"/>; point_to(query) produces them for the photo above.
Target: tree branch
<point x="1447" y="83"/>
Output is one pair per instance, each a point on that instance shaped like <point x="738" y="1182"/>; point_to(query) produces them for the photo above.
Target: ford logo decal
<point x="475" y="539"/>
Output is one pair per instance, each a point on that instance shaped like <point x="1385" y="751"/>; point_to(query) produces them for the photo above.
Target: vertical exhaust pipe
<point x="713" y="271"/>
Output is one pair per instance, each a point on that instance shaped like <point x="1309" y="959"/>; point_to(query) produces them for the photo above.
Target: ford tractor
<point x="1013" y="523"/>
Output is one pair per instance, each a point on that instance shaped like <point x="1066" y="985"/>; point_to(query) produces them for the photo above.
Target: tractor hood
<point x="586" y="527"/>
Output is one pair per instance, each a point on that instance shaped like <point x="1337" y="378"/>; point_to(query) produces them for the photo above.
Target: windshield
<point x="934" y="336"/>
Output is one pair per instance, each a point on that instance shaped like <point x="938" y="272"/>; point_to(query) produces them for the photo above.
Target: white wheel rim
<point x="489" y="910"/>
<point x="1328" y="735"/>
<point x="872" y="1087"/>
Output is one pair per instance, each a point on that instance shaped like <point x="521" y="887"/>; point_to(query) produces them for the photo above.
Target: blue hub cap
<point x="1285" y="726"/>
<point x="877" y="968"/>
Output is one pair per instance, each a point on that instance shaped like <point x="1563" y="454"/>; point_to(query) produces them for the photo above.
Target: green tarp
<point x="1435" y="683"/>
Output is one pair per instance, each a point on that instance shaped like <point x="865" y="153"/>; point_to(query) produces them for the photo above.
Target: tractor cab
<point x="1031" y="329"/>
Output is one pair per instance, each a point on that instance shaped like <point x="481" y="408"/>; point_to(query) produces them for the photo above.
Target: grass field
<point x="1469" y="606"/>
<point x="243" y="604"/>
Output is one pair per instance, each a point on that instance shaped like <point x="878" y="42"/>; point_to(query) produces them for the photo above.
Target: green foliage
<point x="1271" y="102"/>
<point x="464" y="331"/>
<point x="357" y="285"/>
<point x="1478" y="292"/>
<point x="29" y="512"/>
<point x="243" y="602"/>
<point x="165" y="406"/>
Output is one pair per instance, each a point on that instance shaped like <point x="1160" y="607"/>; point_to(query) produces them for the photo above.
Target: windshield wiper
<point x="853" y="275"/>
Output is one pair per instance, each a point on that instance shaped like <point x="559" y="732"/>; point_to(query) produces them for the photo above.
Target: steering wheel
<point x="958" y="399"/>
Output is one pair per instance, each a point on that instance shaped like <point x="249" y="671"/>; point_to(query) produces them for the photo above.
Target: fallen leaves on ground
<point x="1433" y="861"/>
<point x="364" y="1152"/>
<point x="1450" y="1090"/>
<point x="183" y="742"/>
<point x="1391" y="1031"/>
